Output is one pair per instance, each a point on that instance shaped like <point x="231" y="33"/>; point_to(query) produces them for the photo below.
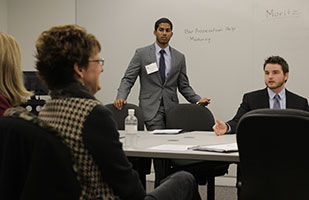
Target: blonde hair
<point x="11" y="77"/>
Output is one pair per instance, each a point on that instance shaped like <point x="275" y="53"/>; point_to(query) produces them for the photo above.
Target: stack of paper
<point x="172" y="147"/>
<point x="222" y="148"/>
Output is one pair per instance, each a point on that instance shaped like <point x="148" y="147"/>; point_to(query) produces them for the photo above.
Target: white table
<point x="146" y="140"/>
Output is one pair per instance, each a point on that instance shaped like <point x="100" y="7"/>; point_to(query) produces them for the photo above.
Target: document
<point x="172" y="147"/>
<point x="221" y="148"/>
<point x="166" y="131"/>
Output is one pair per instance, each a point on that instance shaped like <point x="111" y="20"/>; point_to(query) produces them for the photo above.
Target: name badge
<point x="151" y="68"/>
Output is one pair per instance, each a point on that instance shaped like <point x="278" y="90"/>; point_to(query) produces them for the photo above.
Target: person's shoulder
<point x="145" y="48"/>
<point x="102" y="115"/>
<point x="143" y="51"/>
<point x="175" y="51"/>
<point x="295" y="96"/>
<point x="4" y="103"/>
<point x="101" y="110"/>
<point x="256" y="93"/>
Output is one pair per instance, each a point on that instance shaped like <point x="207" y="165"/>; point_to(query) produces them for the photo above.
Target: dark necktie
<point x="162" y="65"/>
<point x="276" y="102"/>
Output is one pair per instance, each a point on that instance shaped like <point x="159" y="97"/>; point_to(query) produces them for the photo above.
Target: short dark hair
<point x="59" y="48"/>
<point x="277" y="60"/>
<point x="163" y="20"/>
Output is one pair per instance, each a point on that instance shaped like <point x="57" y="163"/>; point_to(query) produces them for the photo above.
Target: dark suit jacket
<point x="260" y="99"/>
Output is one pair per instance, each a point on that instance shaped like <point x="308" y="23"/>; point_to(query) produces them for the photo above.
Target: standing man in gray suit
<point x="158" y="87"/>
<point x="161" y="69"/>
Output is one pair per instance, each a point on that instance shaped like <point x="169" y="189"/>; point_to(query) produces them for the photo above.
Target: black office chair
<point x="34" y="163"/>
<point x="273" y="152"/>
<point x="193" y="117"/>
<point x="33" y="83"/>
<point x="141" y="165"/>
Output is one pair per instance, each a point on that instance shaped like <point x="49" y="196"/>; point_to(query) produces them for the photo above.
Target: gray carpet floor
<point x="221" y="192"/>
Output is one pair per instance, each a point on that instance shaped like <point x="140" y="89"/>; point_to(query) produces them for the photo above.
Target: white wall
<point x="222" y="66"/>
<point x="28" y="18"/>
<point x="224" y="57"/>
<point x="3" y="16"/>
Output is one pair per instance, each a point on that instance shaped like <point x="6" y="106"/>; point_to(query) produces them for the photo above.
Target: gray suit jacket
<point x="152" y="90"/>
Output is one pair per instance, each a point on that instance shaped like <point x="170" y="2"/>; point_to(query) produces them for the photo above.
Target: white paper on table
<point x="172" y="147"/>
<point x="166" y="131"/>
<point x="222" y="148"/>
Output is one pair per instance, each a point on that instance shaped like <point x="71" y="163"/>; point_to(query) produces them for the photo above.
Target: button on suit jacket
<point x="152" y="90"/>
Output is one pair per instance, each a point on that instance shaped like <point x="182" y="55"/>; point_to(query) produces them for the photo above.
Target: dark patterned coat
<point x="88" y="129"/>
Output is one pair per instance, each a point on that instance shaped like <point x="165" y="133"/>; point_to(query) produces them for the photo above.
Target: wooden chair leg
<point x="211" y="188"/>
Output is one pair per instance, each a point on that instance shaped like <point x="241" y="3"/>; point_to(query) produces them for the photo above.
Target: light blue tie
<point x="276" y="102"/>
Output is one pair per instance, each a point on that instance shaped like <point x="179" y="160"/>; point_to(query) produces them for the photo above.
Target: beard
<point x="163" y="42"/>
<point x="276" y="86"/>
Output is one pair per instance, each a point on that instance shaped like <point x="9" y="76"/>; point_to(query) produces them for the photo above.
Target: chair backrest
<point x="34" y="163"/>
<point x="190" y="117"/>
<point x="120" y="115"/>
<point x="273" y="152"/>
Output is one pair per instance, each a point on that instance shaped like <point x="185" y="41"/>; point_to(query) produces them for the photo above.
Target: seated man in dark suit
<point x="275" y="95"/>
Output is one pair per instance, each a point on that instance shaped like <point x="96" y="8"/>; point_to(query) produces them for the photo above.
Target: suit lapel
<point x="265" y="99"/>
<point x="173" y="64"/>
<point x="288" y="101"/>
<point x="152" y="53"/>
<point x="153" y="59"/>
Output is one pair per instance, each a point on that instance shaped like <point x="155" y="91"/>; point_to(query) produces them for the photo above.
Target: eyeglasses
<point x="101" y="61"/>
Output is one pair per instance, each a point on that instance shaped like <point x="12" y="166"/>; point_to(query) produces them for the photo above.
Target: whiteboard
<point x="225" y="43"/>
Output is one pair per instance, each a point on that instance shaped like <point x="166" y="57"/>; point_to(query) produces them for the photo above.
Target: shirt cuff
<point x="229" y="129"/>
